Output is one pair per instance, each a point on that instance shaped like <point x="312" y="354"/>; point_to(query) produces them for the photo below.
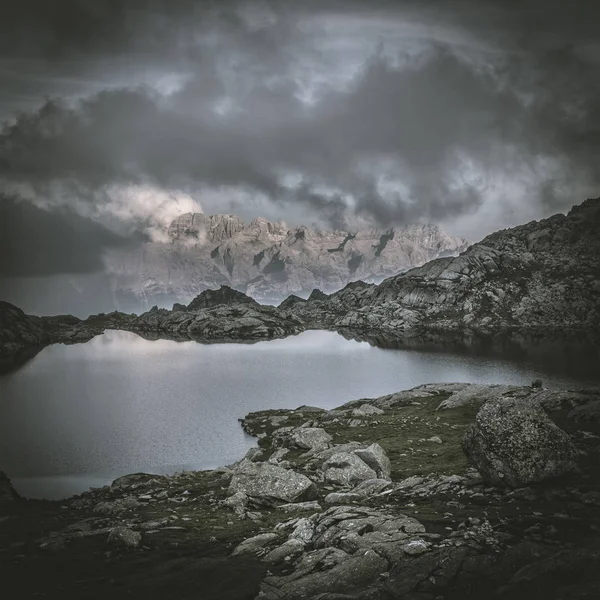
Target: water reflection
<point x="80" y="415"/>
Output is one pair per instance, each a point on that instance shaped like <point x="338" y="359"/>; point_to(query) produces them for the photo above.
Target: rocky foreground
<point x="445" y="491"/>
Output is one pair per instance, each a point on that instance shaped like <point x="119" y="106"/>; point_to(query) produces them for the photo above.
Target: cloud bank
<point x="473" y="115"/>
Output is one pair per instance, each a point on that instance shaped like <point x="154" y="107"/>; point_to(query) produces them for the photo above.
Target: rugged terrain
<point x="539" y="281"/>
<point x="265" y="259"/>
<point x="445" y="491"/>
<point x="223" y="315"/>
<point x="540" y="277"/>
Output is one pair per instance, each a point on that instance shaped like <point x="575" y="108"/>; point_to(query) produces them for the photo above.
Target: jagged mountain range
<point x="267" y="260"/>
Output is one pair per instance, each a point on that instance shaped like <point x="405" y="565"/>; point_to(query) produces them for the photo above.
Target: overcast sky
<point x="118" y="115"/>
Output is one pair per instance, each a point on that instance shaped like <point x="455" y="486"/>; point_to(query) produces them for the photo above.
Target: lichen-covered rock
<point x="473" y="394"/>
<point x="123" y="536"/>
<point x="346" y="468"/>
<point x="303" y="530"/>
<point x="375" y="457"/>
<point x="366" y="410"/>
<point x="238" y="502"/>
<point x="513" y="442"/>
<point x="289" y="550"/>
<point x="310" y="438"/>
<point x="254" y="545"/>
<point x="271" y="482"/>
<point x="326" y="571"/>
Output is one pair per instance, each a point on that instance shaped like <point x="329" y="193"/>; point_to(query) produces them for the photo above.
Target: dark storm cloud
<point x="35" y="242"/>
<point x="417" y="111"/>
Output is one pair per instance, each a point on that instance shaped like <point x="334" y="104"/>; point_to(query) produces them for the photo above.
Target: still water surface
<point x="79" y="416"/>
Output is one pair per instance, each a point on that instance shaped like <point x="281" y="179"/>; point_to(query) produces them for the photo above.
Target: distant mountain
<point x="541" y="276"/>
<point x="266" y="260"/>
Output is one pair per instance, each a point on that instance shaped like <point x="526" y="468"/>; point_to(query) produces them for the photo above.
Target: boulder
<point x="254" y="545"/>
<point x="286" y="552"/>
<point x="303" y="531"/>
<point x="514" y="442"/>
<point x="346" y="468"/>
<point x="375" y="457"/>
<point x="473" y="395"/>
<point x="238" y="502"/>
<point x="326" y="571"/>
<point x="123" y="536"/>
<point x="310" y="438"/>
<point x="348" y="447"/>
<point x="366" y="410"/>
<point x="271" y="482"/>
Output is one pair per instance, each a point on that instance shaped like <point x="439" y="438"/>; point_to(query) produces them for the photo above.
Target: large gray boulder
<point x="310" y="438"/>
<point x="514" y="442"/>
<point x="254" y="545"/>
<point x="271" y="482"/>
<point x="346" y="468"/>
<point x="375" y="457"/>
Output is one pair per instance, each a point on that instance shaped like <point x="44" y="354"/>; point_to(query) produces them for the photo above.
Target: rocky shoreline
<point x="443" y="491"/>
<point x="215" y="316"/>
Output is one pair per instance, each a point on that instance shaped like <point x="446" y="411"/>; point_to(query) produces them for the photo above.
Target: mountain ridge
<point x="543" y="274"/>
<point x="267" y="260"/>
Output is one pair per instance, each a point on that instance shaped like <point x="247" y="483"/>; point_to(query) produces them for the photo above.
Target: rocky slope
<point x="266" y="260"/>
<point x="414" y="495"/>
<point x="544" y="275"/>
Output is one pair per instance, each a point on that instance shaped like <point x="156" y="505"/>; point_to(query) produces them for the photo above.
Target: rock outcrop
<point x="267" y="260"/>
<point x="217" y="316"/>
<point x="223" y="296"/>
<point x="268" y="482"/>
<point x="542" y="276"/>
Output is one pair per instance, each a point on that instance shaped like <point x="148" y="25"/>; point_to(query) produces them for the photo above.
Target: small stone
<point x="415" y="547"/>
